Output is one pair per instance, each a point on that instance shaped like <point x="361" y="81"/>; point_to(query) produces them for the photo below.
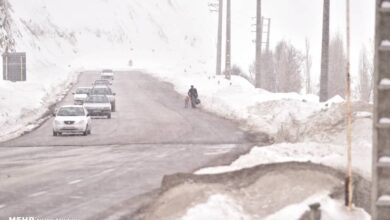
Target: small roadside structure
<point x="14" y="66"/>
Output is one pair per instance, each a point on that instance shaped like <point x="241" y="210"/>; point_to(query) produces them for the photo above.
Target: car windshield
<point x="71" y="111"/>
<point x="97" y="99"/>
<point x="101" y="91"/>
<point x="82" y="91"/>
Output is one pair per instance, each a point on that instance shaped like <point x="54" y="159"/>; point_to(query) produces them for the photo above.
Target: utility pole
<point x="217" y="6"/>
<point x="268" y="33"/>
<point x="349" y="180"/>
<point x="228" y="41"/>
<point x="259" y="42"/>
<point x="219" y="44"/>
<point x="325" y="53"/>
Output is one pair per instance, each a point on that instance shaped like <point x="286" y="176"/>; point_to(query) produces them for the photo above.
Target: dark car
<point x="98" y="105"/>
<point x="104" y="90"/>
<point x="104" y="82"/>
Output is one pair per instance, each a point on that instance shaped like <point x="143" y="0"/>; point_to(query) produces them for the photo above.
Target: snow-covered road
<point x="149" y="136"/>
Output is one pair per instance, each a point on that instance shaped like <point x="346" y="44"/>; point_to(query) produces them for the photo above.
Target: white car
<point x="80" y="95"/>
<point x="71" y="119"/>
<point x="107" y="74"/>
<point x="98" y="105"/>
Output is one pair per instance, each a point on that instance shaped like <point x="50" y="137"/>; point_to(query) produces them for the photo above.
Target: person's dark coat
<point x="193" y="94"/>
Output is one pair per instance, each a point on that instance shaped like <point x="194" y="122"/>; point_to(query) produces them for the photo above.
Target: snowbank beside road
<point x="24" y="104"/>
<point x="221" y="207"/>
<point x="325" y="154"/>
<point x="218" y="207"/>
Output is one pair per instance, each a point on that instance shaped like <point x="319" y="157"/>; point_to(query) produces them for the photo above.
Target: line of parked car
<point x="95" y="100"/>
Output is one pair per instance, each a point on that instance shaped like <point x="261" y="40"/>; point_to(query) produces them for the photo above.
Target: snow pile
<point x="218" y="207"/>
<point x="221" y="207"/>
<point x="330" y="210"/>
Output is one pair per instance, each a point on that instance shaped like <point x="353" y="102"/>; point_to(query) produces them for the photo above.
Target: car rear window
<point x="71" y="111"/>
<point x="82" y="91"/>
<point x="101" y="91"/>
<point x="97" y="99"/>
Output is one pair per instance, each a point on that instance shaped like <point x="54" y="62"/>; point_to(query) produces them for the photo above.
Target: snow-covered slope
<point x="97" y="33"/>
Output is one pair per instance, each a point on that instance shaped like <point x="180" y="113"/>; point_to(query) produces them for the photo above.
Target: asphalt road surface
<point x="149" y="136"/>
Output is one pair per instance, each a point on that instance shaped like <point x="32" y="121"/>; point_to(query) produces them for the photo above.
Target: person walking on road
<point x="193" y="94"/>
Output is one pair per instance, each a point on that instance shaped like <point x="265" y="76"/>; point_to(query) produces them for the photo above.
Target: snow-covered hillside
<point x="99" y="33"/>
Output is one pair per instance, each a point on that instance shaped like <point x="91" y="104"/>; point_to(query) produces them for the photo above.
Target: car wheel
<point x="55" y="133"/>
<point x="109" y="116"/>
<point x="85" y="133"/>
